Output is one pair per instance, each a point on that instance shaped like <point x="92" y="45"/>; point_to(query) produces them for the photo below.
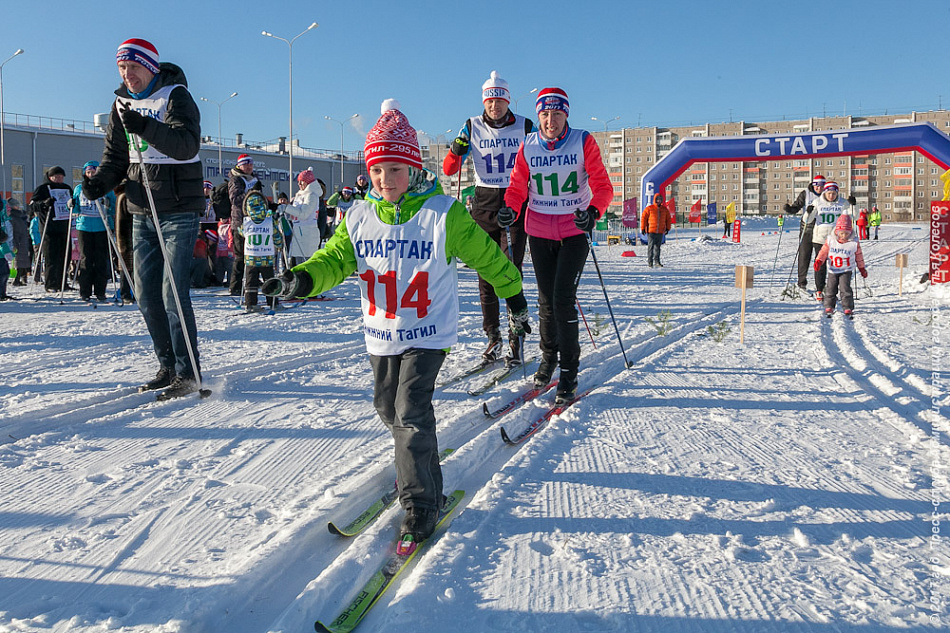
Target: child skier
<point x="262" y="238"/>
<point x="403" y="241"/>
<point x="843" y="254"/>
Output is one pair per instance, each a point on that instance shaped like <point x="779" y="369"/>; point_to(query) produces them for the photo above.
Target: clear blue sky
<point x="738" y="60"/>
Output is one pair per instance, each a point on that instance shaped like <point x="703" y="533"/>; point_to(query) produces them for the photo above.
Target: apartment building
<point x="901" y="184"/>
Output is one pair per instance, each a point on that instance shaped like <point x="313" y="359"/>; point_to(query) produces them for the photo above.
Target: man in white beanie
<point x="493" y="139"/>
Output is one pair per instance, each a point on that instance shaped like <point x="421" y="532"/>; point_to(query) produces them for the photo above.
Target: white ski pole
<point x="66" y="257"/>
<point x="113" y="244"/>
<point x="590" y="245"/>
<point x="136" y="143"/>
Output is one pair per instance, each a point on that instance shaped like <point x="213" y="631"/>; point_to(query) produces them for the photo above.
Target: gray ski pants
<point x="403" y="390"/>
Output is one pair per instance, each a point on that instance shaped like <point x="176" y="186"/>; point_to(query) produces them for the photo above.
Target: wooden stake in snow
<point x="744" y="275"/>
<point x="901" y="263"/>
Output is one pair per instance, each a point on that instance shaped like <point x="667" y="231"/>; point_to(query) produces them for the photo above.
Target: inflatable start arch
<point x="925" y="138"/>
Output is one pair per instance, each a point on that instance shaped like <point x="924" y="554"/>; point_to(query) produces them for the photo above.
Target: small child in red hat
<point x="843" y="254"/>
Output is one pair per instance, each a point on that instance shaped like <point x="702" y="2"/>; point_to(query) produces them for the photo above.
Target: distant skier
<point x="807" y="226"/>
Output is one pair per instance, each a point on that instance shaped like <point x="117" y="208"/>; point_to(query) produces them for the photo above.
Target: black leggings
<point x="558" y="266"/>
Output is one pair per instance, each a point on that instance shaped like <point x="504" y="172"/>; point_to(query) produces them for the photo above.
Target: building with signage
<point x="33" y="144"/>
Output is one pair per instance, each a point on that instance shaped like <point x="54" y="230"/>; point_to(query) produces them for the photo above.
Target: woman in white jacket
<point x="303" y="213"/>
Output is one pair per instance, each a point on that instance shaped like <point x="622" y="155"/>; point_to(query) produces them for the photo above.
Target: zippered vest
<point x="155" y="106"/>
<point x="408" y="288"/>
<point x="557" y="184"/>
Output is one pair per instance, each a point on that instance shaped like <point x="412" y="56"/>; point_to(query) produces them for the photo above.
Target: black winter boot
<point x="419" y="522"/>
<point x="545" y="370"/>
<point x="161" y="380"/>
<point x="566" y="387"/>
<point x="180" y="386"/>
<point x="493" y="351"/>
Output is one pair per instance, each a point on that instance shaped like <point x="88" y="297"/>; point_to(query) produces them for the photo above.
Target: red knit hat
<point x="843" y="223"/>
<point x="244" y="158"/>
<point x="552" y="99"/>
<point x="140" y="51"/>
<point x="392" y="138"/>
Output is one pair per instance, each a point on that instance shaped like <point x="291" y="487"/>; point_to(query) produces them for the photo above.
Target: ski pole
<point x="114" y="244"/>
<point x="577" y="303"/>
<point x="66" y="258"/>
<point x="798" y="251"/>
<point x="775" y="261"/>
<point x="603" y="286"/>
<point x="136" y="143"/>
<point x="41" y="261"/>
<point x="511" y="258"/>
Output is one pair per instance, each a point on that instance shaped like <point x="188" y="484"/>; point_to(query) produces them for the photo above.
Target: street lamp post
<point x="353" y="116"/>
<point x="3" y="162"/>
<point x="606" y="123"/>
<point x="527" y="94"/>
<point x="220" y="139"/>
<point x="290" y="46"/>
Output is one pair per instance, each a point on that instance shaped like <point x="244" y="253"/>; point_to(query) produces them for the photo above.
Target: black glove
<point x="3" y="235"/>
<point x="788" y="209"/>
<point x="93" y="187"/>
<point x="852" y="201"/>
<point x="518" y="315"/>
<point x="459" y="146"/>
<point x="132" y="121"/>
<point x="586" y="220"/>
<point x="810" y="208"/>
<point x="288" y="285"/>
<point x="506" y="217"/>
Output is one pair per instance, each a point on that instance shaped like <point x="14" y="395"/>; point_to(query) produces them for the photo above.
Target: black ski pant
<point x="558" y="265"/>
<point x="254" y="276"/>
<point x="485" y="207"/>
<point x="839" y="283"/>
<point x="805" y="253"/>
<point x="56" y="248"/>
<point x="94" y="267"/>
<point x="236" y="283"/>
<point x="402" y="395"/>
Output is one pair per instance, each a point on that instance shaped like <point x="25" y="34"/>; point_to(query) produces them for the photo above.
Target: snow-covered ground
<point x="796" y="482"/>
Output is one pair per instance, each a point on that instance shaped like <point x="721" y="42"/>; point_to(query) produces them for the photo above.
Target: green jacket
<point x="874" y="218"/>
<point x="465" y="240"/>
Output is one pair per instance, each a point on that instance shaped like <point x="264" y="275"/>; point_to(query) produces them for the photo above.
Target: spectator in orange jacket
<point x="655" y="222"/>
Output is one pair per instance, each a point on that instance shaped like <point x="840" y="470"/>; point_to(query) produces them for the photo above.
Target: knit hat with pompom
<point x="392" y="138"/>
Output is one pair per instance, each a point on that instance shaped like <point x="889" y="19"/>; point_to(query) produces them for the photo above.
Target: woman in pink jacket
<point x="559" y="172"/>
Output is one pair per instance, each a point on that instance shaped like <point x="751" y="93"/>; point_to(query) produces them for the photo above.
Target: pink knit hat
<point x="392" y="138"/>
<point x="306" y="176"/>
<point x="843" y="223"/>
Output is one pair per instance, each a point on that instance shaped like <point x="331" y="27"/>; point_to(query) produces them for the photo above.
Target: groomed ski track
<point x="779" y="485"/>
